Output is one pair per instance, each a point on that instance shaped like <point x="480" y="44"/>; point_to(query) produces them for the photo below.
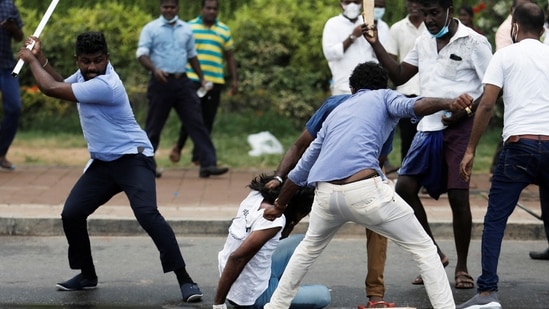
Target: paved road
<point x="130" y="275"/>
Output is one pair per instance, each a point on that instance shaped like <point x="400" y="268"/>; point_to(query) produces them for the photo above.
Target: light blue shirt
<point x="106" y="117"/>
<point x="352" y="135"/>
<point x="314" y="124"/>
<point x="168" y="47"/>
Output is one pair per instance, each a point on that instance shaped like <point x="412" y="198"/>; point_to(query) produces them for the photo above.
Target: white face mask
<point x="378" y="13"/>
<point x="171" y="20"/>
<point x="352" y="10"/>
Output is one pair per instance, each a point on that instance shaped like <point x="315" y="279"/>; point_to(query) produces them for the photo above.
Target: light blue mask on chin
<point x="444" y="29"/>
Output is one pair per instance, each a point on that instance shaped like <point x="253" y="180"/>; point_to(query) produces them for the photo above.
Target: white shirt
<point x="402" y="37"/>
<point x="342" y="63"/>
<point x="254" y="278"/>
<point x="522" y="71"/>
<point x="458" y="68"/>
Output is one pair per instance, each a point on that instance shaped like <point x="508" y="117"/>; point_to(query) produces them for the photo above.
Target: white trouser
<point x="374" y="204"/>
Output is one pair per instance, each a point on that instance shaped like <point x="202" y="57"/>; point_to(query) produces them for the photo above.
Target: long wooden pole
<point x="36" y="33"/>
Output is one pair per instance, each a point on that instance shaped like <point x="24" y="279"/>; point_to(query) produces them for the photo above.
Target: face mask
<point x="171" y="20"/>
<point x="514" y="33"/>
<point x="378" y="13"/>
<point x="444" y="29"/>
<point x="351" y="10"/>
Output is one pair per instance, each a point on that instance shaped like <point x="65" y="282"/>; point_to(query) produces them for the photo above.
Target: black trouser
<point x="180" y="94"/>
<point x="210" y="104"/>
<point x="135" y="175"/>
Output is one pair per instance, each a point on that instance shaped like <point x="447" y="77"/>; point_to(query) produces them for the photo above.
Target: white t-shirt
<point x="522" y="71"/>
<point x="402" y="37"/>
<point x="254" y="278"/>
<point x="342" y="63"/>
<point x="456" y="69"/>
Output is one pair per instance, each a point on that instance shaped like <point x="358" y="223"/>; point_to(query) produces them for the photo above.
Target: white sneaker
<point x="489" y="301"/>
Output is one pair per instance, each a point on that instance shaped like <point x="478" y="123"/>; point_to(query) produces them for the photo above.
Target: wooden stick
<point x="368" y="13"/>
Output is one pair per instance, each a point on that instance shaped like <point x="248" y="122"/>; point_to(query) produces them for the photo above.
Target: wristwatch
<point x="352" y="38"/>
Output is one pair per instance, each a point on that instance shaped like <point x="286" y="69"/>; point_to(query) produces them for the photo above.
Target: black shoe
<point x="205" y="172"/>
<point x="77" y="283"/>
<point x="540" y="255"/>
<point x="191" y="292"/>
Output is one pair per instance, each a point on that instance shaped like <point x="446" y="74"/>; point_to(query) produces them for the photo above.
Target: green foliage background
<point x="278" y="50"/>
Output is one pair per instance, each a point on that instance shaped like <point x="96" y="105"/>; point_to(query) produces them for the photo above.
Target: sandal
<point x="419" y="281"/>
<point x="377" y="304"/>
<point x="464" y="280"/>
<point x="6" y="165"/>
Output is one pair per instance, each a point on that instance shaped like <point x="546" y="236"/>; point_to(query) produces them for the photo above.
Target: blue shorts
<point x="425" y="160"/>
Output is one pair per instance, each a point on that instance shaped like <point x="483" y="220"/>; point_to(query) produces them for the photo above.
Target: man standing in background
<point x="161" y="42"/>
<point x="213" y="41"/>
<point x="343" y="44"/>
<point x="402" y="37"/>
<point x="10" y="28"/>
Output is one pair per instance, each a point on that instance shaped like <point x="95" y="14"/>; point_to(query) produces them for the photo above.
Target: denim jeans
<point x="520" y="164"/>
<point x="308" y="296"/>
<point x="374" y="204"/>
<point x="11" y="103"/>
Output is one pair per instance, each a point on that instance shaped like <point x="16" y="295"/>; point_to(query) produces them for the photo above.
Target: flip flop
<point x="373" y="304"/>
<point x="419" y="281"/>
<point x="6" y="165"/>
<point x="464" y="280"/>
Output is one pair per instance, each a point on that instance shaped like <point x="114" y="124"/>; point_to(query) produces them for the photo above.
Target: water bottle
<point x="201" y="92"/>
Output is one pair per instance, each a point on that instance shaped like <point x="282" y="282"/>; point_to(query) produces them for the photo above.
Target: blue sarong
<point x="425" y="161"/>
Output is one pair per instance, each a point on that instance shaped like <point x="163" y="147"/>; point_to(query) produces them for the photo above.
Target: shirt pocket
<point x="448" y="66"/>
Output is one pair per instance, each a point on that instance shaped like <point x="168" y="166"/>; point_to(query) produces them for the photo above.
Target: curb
<point x="218" y="228"/>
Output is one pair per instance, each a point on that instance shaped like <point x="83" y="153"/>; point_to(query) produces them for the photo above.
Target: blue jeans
<point x="520" y="164"/>
<point x="308" y="296"/>
<point x="11" y="103"/>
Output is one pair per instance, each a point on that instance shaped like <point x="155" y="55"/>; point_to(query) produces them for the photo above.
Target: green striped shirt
<point x="210" y="44"/>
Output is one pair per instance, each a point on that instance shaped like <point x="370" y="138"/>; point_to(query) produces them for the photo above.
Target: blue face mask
<point x="378" y="13"/>
<point x="444" y="29"/>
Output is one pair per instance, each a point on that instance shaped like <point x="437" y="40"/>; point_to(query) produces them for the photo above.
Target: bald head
<point x="530" y="18"/>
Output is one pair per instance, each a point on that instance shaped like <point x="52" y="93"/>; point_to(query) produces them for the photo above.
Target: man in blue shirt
<point x="165" y="45"/>
<point x="376" y="244"/>
<point x="121" y="159"/>
<point x="342" y="163"/>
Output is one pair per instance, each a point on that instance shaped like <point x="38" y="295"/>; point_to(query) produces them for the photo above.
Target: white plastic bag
<point x="264" y="143"/>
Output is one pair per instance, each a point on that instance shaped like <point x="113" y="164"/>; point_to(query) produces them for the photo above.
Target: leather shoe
<point x="540" y="255"/>
<point x="205" y="172"/>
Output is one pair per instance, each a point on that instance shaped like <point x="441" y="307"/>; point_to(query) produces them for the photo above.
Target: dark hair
<point x="175" y="1"/>
<point x="204" y="2"/>
<point x="443" y="3"/>
<point x="368" y="75"/>
<point x="530" y="17"/>
<point x="468" y="9"/>
<point x="258" y="184"/>
<point x="91" y="43"/>
<point x="298" y="207"/>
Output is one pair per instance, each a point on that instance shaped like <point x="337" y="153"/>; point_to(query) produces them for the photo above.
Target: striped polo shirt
<point x="210" y="44"/>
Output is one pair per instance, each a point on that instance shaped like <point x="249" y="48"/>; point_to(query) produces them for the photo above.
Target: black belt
<point x="177" y="75"/>
<point x="346" y="180"/>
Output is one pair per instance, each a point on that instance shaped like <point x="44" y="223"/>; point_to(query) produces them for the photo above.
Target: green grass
<point x="230" y="139"/>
